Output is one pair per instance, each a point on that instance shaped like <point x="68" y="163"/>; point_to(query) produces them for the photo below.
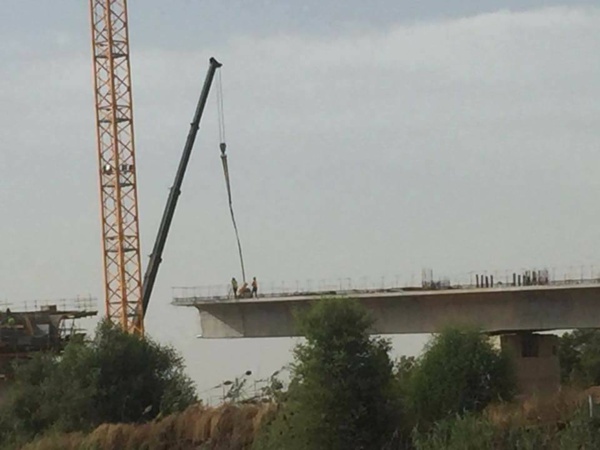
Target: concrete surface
<point x="496" y="310"/>
<point x="536" y="363"/>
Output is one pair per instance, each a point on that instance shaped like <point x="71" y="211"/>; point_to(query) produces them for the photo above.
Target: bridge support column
<point x="535" y="359"/>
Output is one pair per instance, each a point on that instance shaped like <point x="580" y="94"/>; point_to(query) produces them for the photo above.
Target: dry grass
<point x="233" y="427"/>
<point x="228" y="427"/>
<point x="542" y="410"/>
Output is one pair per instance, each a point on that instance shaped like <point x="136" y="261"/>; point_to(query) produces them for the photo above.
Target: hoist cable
<point x="223" y="147"/>
<point x="220" y="113"/>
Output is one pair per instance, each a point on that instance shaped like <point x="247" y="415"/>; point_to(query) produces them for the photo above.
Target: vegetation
<point x="228" y="427"/>
<point x="341" y="394"/>
<point x="473" y="432"/>
<point x="117" y="377"/>
<point x="579" y="355"/>
<point x="459" y="373"/>
<point x="121" y="391"/>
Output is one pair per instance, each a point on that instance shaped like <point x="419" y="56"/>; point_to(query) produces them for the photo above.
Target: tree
<point x="579" y="356"/>
<point x="23" y="411"/>
<point x="459" y="372"/>
<point x="137" y="378"/>
<point x="341" y="394"/>
<point x="117" y="377"/>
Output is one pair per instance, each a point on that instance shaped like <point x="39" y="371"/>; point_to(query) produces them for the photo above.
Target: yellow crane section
<point x="117" y="168"/>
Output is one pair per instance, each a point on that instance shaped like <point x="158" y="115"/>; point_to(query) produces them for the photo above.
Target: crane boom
<point x="165" y="223"/>
<point x="117" y="167"/>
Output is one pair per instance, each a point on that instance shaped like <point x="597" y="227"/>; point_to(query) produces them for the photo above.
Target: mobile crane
<point x="165" y="224"/>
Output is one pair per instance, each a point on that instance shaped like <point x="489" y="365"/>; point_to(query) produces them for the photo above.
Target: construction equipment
<point x="126" y="298"/>
<point x="116" y="156"/>
<point x="165" y="224"/>
<point x="223" y="147"/>
<point x="23" y="334"/>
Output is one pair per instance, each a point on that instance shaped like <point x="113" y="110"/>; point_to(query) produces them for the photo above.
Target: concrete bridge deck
<point x="405" y="311"/>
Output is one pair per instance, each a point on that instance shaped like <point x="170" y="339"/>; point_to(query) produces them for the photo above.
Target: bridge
<point x="500" y="309"/>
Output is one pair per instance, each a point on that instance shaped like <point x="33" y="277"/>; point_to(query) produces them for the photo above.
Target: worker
<point x="234" y="287"/>
<point x="254" y="287"/>
<point x="9" y="318"/>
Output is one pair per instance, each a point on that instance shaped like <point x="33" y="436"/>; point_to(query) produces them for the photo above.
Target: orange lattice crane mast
<point x="126" y="297"/>
<point x="116" y="155"/>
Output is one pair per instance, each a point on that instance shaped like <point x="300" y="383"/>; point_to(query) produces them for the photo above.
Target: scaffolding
<point x="44" y="329"/>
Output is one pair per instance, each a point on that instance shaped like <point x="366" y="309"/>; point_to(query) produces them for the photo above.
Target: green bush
<point x="460" y="372"/>
<point x="137" y="378"/>
<point x="579" y="355"/>
<point x="580" y="433"/>
<point x="341" y="394"/>
<point x="117" y="377"/>
<point x="474" y="432"/>
<point x="457" y="433"/>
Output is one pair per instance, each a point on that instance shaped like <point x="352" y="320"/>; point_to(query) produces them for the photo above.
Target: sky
<point x="364" y="139"/>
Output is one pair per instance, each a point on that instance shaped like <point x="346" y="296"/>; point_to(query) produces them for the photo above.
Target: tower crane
<point x="126" y="297"/>
<point x="116" y="156"/>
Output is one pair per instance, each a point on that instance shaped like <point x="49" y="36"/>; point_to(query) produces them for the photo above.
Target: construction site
<point x="302" y="226"/>
<point x="46" y="328"/>
<point x="516" y="306"/>
<point x="127" y="293"/>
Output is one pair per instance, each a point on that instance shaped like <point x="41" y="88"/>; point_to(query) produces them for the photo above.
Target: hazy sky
<point x="365" y="139"/>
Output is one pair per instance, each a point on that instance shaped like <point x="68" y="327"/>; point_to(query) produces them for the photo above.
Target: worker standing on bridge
<point x="234" y="287"/>
<point x="254" y="287"/>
